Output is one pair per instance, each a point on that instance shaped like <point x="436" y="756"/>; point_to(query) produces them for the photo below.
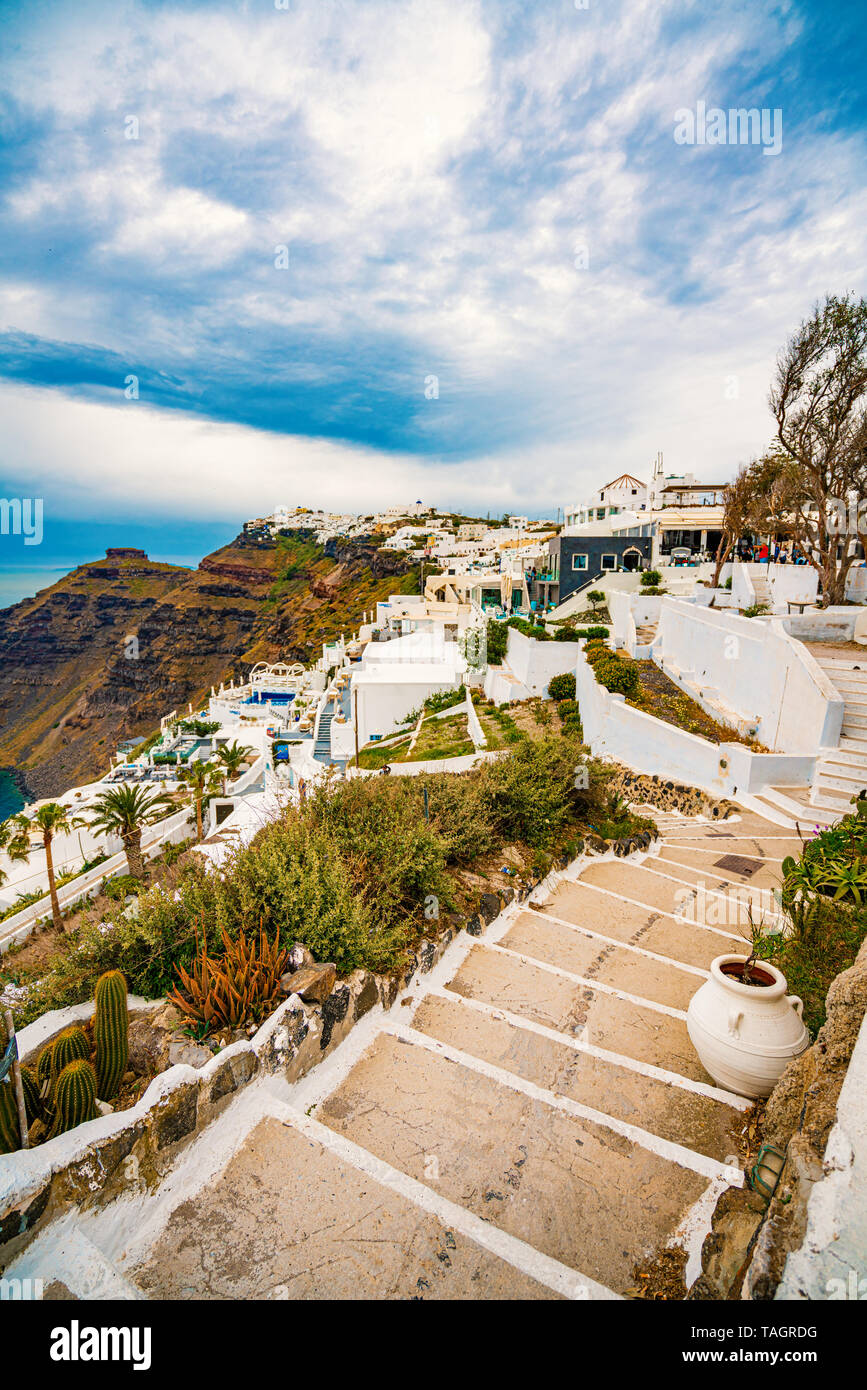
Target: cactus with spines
<point x="32" y="1099"/>
<point x="111" y="1033"/>
<point x="75" y="1097"/>
<point x="43" y="1068"/>
<point x="69" y="1046"/>
<point x="10" y="1132"/>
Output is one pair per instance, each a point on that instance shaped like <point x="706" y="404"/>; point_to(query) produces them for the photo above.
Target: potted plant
<point x="744" y="1025"/>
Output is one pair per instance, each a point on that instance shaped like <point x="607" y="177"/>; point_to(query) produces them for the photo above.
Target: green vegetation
<point x="650" y="579"/>
<point x="562" y="687"/>
<point x="615" y="672"/>
<point x="110" y="1033"/>
<point x="202" y="728"/>
<point x="347" y="874"/>
<point x="824" y="894"/>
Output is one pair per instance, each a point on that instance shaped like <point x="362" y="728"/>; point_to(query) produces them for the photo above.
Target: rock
<point x="150" y="1035"/>
<point x="736" y="1219"/>
<point x="104" y="1108"/>
<point x="299" y="957"/>
<point x="489" y="907"/>
<point x="185" y="1052"/>
<point x="313" y="983"/>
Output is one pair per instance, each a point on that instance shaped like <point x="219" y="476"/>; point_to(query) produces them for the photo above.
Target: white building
<point x="623" y="494"/>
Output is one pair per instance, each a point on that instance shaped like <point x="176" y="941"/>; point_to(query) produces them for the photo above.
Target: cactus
<point x="10" y="1134"/>
<point x="110" y="1032"/>
<point x="69" y="1046"/>
<point x="32" y="1100"/>
<point x="43" y="1069"/>
<point x="75" y="1097"/>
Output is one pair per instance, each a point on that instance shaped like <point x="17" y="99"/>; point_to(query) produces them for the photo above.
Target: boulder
<point x="184" y="1051"/>
<point x="312" y="983"/>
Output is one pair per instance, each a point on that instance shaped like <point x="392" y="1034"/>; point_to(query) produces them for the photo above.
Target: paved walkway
<point x="530" y="1120"/>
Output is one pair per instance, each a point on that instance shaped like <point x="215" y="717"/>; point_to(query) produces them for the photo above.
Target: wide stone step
<point x="626" y="969"/>
<point x="710" y="869"/>
<point x="691" y="895"/>
<point x="854" y="724"/>
<point x="590" y="1012"/>
<point x="854" y="745"/>
<point x="640" y="926"/>
<point x="837" y="778"/>
<point x="769" y="849"/>
<point x="288" y="1219"/>
<point x="577" y="1191"/>
<point x="845" y="758"/>
<point x="701" y="1122"/>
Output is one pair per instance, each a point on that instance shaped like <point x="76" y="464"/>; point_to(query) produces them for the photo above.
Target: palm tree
<point x="51" y="819"/>
<point x="204" y="781"/>
<point x="15" y="839"/>
<point x="232" y="757"/>
<point x="125" y="811"/>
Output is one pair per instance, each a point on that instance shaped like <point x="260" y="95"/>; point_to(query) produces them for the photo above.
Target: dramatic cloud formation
<point x="350" y="251"/>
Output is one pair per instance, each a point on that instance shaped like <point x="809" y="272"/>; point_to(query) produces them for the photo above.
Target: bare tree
<point x="737" y="509"/>
<point x="819" y="401"/>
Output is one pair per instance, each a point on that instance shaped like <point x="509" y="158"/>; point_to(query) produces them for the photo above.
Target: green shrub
<point x="121" y="886"/>
<point x="497" y="642"/>
<point x="562" y="687"/>
<point x="567" y="707"/>
<point x="618" y="676"/>
<point x="650" y="579"/>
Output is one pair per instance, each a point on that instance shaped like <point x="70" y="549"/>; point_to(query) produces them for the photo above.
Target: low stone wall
<point x="641" y="788"/>
<point x="760" y="1250"/>
<point x="93" y="1164"/>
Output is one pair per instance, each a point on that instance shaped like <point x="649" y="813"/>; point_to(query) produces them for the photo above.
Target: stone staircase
<point x="842" y="772"/>
<point x="762" y="591"/>
<point x="322" y="746"/>
<point x="529" y="1120"/>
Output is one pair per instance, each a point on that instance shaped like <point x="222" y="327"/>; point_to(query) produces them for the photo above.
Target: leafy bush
<point x="444" y="699"/>
<point x="347" y="875"/>
<point x="534" y="630"/>
<point x="618" y="676"/>
<point x="497" y="642"/>
<point x="650" y="579"/>
<point x="121" y="886"/>
<point x="651" y="591"/>
<point x="562" y="687"/>
<point x="200" y="727"/>
<point x="595" y="597"/>
<point x="567" y="707"/>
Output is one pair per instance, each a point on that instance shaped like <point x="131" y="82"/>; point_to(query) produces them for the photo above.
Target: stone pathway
<point x="529" y="1120"/>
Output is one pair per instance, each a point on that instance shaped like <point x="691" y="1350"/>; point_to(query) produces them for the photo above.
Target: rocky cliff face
<point x="106" y="651"/>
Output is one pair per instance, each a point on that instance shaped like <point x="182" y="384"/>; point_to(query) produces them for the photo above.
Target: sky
<point x="349" y="253"/>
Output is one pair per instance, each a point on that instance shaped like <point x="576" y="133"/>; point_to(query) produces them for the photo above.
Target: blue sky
<point x="434" y="169"/>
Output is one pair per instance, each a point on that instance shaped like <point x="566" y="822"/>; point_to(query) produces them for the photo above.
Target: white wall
<point x="751" y="672"/>
<point x="534" y="662"/>
<point x="798" y="583"/>
<point x="614" y="729"/>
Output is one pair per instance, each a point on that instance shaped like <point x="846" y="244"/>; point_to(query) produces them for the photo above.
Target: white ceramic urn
<point x="746" y="1035"/>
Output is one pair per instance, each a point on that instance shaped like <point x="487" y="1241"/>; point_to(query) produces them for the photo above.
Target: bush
<point x="572" y="724"/>
<point x="567" y="707"/>
<point x="650" y="579"/>
<point x="534" y="630"/>
<point x="567" y="634"/>
<point x="562" y="687"/>
<point x="618" y="676"/>
<point x="497" y="642"/>
<point x="597" y="651"/>
<point x="651" y="591"/>
<point x="595" y="597"/>
<point x="121" y="886"/>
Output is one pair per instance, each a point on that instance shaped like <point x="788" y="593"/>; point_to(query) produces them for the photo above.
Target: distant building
<point x="623" y="494"/>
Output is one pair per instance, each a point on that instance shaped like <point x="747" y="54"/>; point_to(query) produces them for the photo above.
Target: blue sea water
<point x="11" y="799"/>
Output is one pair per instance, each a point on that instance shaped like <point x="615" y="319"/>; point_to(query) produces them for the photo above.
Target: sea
<point x="11" y="799"/>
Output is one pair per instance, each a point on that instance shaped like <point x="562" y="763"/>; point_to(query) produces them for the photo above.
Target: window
<point x="579" y="562"/>
<point x="609" y="562"/>
<point x="600" y="513"/>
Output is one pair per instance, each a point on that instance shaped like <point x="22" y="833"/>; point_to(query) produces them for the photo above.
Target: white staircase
<point x="841" y="772"/>
<point x="762" y="590"/>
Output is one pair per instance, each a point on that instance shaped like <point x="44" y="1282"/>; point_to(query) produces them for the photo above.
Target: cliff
<point x="111" y="647"/>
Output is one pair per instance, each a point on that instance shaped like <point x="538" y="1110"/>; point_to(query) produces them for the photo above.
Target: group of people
<point x="778" y="554"/>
